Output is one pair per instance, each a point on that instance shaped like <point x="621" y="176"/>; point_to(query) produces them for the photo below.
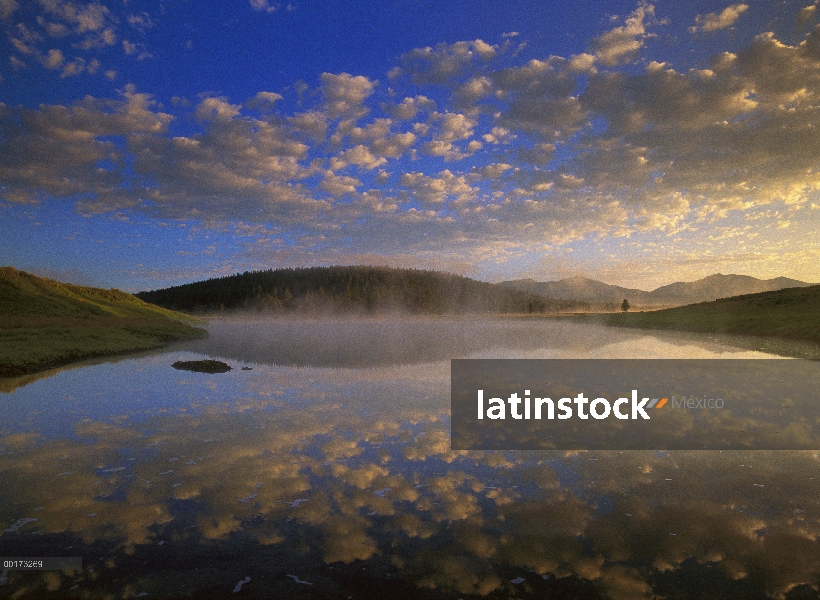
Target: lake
<point x="325" y="470"/>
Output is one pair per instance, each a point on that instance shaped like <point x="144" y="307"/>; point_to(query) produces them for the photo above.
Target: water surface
<point x="326" y="471"/>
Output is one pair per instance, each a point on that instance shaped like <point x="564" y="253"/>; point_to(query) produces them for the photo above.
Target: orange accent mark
<point x="662" y="402"/>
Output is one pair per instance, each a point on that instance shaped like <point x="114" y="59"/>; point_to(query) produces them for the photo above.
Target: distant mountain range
<point x="709" y="288"/>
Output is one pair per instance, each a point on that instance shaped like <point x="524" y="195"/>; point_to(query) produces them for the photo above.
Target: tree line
<point x="352" y="289"/>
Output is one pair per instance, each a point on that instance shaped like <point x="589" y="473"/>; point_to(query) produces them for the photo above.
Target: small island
<point x="46" y="324"/>
<point x="202" y="366"/>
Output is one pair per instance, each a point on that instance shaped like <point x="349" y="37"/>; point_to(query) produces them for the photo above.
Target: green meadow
<point x="792" y="314"/>
<point x="45" y="323"/>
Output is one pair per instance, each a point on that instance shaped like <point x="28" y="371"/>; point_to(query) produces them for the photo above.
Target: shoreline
<point x="31" y="350"/>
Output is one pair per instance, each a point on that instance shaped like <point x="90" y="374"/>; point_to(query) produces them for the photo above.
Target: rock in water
<point x="202" y="366"/>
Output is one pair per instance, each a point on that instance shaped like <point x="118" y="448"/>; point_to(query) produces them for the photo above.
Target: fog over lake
<point x="326" y="471"/>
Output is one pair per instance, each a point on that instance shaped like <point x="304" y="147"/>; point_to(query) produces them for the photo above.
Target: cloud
<point x="444" y="63"/>
<point x="715" y="22"/>
<point x="79" y="66"/>
<point x="79" y="28"/>
<point x="339" y="185"/>
<point x="264" y="6"/>
<point x="55" y="150"/>
<point x="438" y="189"/>
<point x="539" y="97"/>
<point x="84" y="17"/>
<point x="54" y="59"/>
<point x="264" y="101"/>
<point x="312" y="124"/>
<point x="358" y="155"/>
<point x="409" y="108"/>
<point x="621" y="44"/>
<point x="345" y="93"/>
<point x="539" y="152"/>
<point x="7" y="7"/>
<point x="216" y="109"/>
<point x="448" y="128"/>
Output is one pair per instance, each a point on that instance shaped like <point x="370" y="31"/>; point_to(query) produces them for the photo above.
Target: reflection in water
<point x="340" y="482"/>
<point x="378" y="342"/>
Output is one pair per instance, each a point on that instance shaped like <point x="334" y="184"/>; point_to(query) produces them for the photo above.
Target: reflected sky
<point x="340" y="481"/>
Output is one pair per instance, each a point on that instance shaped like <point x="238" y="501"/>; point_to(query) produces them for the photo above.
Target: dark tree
<point x="625" y="305"/>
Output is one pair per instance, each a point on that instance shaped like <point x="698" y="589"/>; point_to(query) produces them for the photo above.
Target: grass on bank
<point x="45" y="323"/>
<point x="792" y="313"/>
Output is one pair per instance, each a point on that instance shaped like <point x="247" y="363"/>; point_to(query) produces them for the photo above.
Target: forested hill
<point x="356" y="290"/>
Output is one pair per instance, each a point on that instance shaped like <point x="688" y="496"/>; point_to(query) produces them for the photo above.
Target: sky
<point x="145" y="144"/>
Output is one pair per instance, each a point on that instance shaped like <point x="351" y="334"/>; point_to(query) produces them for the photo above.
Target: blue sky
<point x="146" y="144"/>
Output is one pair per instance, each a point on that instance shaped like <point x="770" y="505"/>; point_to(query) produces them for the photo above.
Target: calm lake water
<point x="326" y="471"/>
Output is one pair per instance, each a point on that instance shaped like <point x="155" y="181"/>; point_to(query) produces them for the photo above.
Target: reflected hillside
<point x="10" y="384"/>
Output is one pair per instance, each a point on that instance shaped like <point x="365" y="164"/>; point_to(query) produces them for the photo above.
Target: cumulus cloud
<point x="264" y="101"/>
<point x="409" y="108"/>
<point x="54" y="151"/>
<point x="339" y="185"/>
<point x="80" y="28"/>
<point x="444" y="63"/>
<point x="621" y="44"/>
<point x="216" y="109"/>
<point x="360" y="156"/>
<point x="345" y="93"/>
<point x="312" y="124"/>
<point x="715" y="22"/>
<point x="435" y="190"/>
<point x="542" y="151"/>
<point x="449" y="128"/>
<point x="540" y="97"/>
<point x="54" y="59"/>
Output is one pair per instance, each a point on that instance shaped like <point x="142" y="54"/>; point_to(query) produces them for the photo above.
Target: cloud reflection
<point x="345" y="478"/>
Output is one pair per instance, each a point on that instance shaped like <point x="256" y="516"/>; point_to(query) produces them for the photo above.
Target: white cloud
<point x="445" y="62"/>
<point x="549" y="150"/>
<point x="448" y="128"/>
<point x="339" y="185"/>
<point x="264" y="6"/>
<point x="345" y="93"/>
<point x="409" y="108"/>
<point x="358" y="155"/>
<point x="435" y="190"/>
<point x="621" y="44"/>
<point x="216" y="109"/>
<point x="715" y="22"/>
<point x="54" y="59"/>
<point x="264" y="101"/>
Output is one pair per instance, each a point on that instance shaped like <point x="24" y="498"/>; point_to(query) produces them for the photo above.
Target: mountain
<point x="675" y="294"/>
<point x="45" y="323"/>
<point x="352" y="290"/>
<point x="578" y="288"/>
<point x="720" y="286"/>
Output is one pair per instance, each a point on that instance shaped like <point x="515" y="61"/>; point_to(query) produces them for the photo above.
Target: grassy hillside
<point x="45" y="323"/>
<point x="352" y="290"/>
<point x="792" y="313"/>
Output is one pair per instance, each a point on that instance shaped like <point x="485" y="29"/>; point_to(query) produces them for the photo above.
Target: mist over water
<point x="351" y="343"/>
<point x="326" y="471"/>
